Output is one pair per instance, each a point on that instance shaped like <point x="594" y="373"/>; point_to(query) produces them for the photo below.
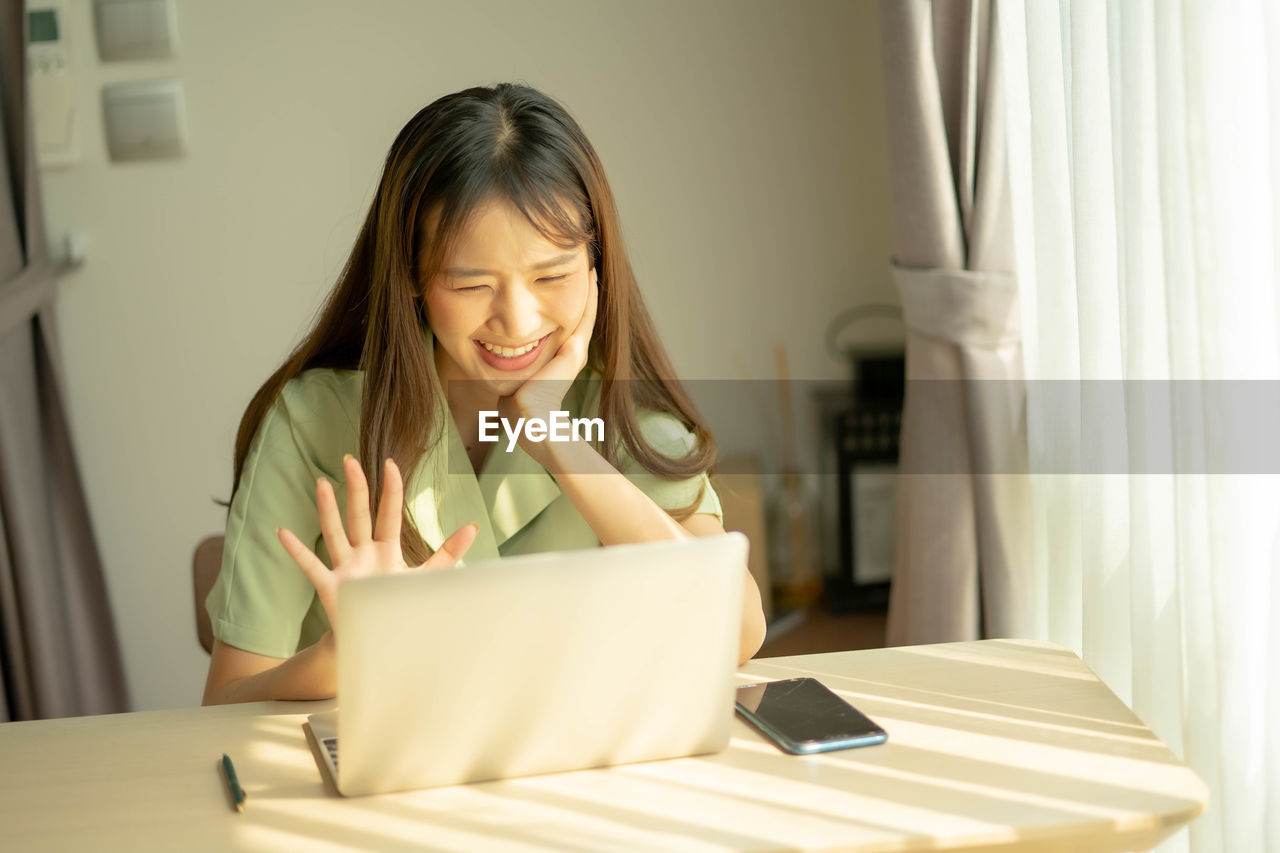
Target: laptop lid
<point x="539" y="663"/>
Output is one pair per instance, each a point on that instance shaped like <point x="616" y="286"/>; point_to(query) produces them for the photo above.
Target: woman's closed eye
<point x="481" y="288"/>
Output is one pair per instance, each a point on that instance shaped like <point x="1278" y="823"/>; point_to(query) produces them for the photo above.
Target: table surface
<point x="1014" y="745"/>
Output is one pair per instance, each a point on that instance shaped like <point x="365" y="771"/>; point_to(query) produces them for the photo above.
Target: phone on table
<point x="802" y="716"/>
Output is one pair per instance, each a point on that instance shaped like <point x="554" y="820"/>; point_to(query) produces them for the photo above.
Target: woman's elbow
<point x="752" y="636"/>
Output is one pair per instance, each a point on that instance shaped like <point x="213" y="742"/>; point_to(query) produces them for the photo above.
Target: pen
<point x="233" y="784"/>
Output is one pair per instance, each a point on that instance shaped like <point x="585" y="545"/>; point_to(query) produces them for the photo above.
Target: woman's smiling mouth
<point x="510" y="358"/>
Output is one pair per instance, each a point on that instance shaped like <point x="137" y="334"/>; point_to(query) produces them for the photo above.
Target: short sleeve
<point x="668" y="436"/>
<point x="261" y="601"/>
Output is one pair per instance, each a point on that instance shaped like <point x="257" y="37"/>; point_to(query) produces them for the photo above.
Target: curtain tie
<point x="964" y="307"/>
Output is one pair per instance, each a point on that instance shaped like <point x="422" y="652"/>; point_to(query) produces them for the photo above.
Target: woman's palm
<point x="363" y="549"/>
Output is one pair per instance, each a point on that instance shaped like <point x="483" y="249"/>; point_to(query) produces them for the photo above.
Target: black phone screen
<point x="803" y="715"/>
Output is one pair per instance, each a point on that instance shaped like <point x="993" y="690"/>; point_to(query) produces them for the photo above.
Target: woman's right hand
<point x="363" y="549"/>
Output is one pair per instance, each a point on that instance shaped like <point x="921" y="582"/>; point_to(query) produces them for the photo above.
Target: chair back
<point x="205" y="565"/>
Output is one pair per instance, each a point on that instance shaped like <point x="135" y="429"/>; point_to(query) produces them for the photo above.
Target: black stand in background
<point x="866" y="434"/>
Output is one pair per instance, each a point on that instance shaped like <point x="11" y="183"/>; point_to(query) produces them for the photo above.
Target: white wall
<point x="744" y="140"/>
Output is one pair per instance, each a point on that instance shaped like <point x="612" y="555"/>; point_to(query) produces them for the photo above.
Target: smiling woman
<point x="505" y="303"/>
<point x="489" y="277"/>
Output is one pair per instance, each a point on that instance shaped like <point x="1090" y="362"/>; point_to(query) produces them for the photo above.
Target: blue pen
<point x="233" y="784"/>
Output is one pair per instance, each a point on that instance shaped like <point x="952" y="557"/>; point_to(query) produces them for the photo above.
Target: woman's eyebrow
<point x="464" y="272"/>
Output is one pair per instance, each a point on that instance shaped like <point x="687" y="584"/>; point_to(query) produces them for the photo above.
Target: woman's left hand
<point x="543" y="393"/>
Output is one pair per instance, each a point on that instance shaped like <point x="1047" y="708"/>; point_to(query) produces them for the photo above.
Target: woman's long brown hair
<point x="504" y="142"/>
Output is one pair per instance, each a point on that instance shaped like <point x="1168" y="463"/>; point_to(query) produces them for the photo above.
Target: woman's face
<point x="504" y="300"/>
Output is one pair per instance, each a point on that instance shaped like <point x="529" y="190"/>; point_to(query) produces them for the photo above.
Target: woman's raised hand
<point x="363" y="548"/>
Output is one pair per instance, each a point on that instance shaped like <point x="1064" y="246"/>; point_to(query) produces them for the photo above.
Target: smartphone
<point x="802" y="716"/>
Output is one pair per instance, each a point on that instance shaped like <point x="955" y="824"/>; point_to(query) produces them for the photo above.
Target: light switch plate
<point x="144" y="120"/>
<point x="135" y="29"/>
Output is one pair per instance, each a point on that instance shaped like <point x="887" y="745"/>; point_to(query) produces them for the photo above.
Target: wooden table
<point x="996" y="744"/>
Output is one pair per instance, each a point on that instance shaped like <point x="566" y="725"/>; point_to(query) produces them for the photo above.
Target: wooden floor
<point x="816" y="630"/>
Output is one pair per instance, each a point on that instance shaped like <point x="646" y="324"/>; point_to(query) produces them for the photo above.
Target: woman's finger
<point x="454" y="548"/>
<point x="564" y="367"/>
<point x="391" y="506"/>
<point x="550" y="384"/>
<point x="335" y="537"/>
<point x="580" y="340"/>
<point x="593" y="304"/>
<point x="359" y="528"/>
<point x="315" y="570"/>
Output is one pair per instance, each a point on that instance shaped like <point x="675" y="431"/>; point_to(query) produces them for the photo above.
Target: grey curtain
<point x="58" y="651"/>
<point x="961" y="570"/>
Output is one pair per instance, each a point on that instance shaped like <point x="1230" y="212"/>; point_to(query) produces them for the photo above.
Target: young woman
<point x="489" y="276"/>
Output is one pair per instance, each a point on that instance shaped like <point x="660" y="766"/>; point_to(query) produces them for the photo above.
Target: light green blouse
<point x="263" y="603"/>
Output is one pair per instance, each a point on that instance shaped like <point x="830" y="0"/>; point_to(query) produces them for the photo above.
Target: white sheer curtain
<point x="1144" y="148"/>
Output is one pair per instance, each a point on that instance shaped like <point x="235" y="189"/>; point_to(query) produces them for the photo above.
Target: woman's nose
<point x="516" y="313"/>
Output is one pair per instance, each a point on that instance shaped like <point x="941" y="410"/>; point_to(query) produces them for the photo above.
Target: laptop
<point x="535" y="664"/>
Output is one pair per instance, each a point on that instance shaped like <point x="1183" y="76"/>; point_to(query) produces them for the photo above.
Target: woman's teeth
<point x="508" y="352"/>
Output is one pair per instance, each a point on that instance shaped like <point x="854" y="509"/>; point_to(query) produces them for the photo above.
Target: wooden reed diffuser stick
<point x="800" y="585"/>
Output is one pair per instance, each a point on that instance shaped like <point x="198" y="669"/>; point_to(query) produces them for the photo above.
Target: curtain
<point x="960" y="551"/>
<point x="58" y="652"/>
<point x="1144" y="151"/>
